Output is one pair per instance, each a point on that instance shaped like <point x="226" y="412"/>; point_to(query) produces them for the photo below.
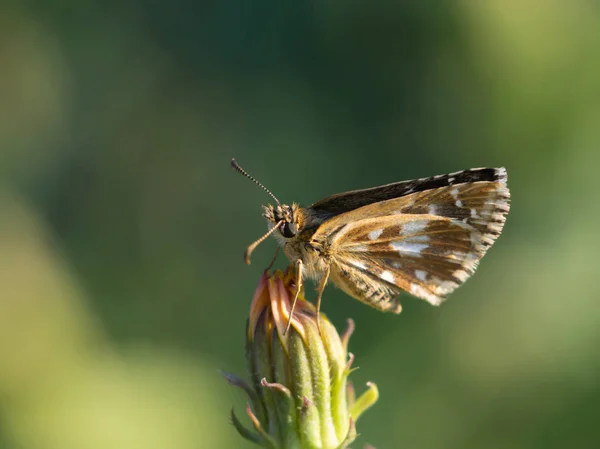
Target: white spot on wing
<point x="501" y="172"/>
<point x="374" y="235"/>
<point x="445" y="287"/>
<point x="458" y="203"/>
<point x="461" y="275"/>
<point x="454" y="192"/>
<point x="414" y="227"/>
<point x="387" y="276"/>
<point x="419" y="238"/>
<point x="358" y="264"/>
<point x="407" y="247"/>
<point x="420" y="274"/>
<point x="433" y="209"/>
<point x="475" y="237"/>
<point x="421" y="292"/>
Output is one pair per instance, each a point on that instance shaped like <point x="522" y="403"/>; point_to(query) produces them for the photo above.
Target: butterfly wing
<point x="426" y="243"/>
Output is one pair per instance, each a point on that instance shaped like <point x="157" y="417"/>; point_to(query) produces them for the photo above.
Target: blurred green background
<point x="122" y="225"/>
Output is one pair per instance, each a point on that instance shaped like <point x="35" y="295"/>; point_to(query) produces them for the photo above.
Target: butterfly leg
<point x="299" y="273"/>
<point x="274" y="258"/>
<point x="322" y="284"/>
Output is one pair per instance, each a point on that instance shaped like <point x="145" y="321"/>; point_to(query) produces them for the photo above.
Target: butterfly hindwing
<point x="365" y="285"/>
<point x="425" y="255"/>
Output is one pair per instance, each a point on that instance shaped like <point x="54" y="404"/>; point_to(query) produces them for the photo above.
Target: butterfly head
<point x="283" y="217"/>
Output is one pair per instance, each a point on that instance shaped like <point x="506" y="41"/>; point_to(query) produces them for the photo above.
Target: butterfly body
<point x="424" y="236"/>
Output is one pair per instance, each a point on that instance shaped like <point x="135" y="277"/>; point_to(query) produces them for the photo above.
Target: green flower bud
<point x="300" y="396"/>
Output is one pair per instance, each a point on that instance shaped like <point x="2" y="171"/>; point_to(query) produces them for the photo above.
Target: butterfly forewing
<point x="347" y="201"/>
<point x="426" y="243"/>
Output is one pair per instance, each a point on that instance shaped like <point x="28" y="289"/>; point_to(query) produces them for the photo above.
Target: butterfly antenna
<point x="235" y="165"/>
<point x="253" y="246"/>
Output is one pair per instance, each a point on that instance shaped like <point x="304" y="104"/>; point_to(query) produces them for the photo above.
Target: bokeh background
<point x="122" y="225"/>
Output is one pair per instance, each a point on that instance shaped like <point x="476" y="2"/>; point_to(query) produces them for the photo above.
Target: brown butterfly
<point x="424" y="236"/>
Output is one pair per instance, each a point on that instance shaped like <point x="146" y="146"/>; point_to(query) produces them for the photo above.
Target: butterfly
<point x="424" y="236"/>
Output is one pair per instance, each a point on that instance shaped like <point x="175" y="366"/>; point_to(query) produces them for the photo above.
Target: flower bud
<point x="300" y="396"/>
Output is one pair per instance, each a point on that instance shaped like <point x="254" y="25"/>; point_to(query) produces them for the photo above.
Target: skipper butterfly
<point x="425" y="236"/>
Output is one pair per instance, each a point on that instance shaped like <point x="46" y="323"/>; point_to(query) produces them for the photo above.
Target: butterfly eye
<point x="288" y="230"/>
